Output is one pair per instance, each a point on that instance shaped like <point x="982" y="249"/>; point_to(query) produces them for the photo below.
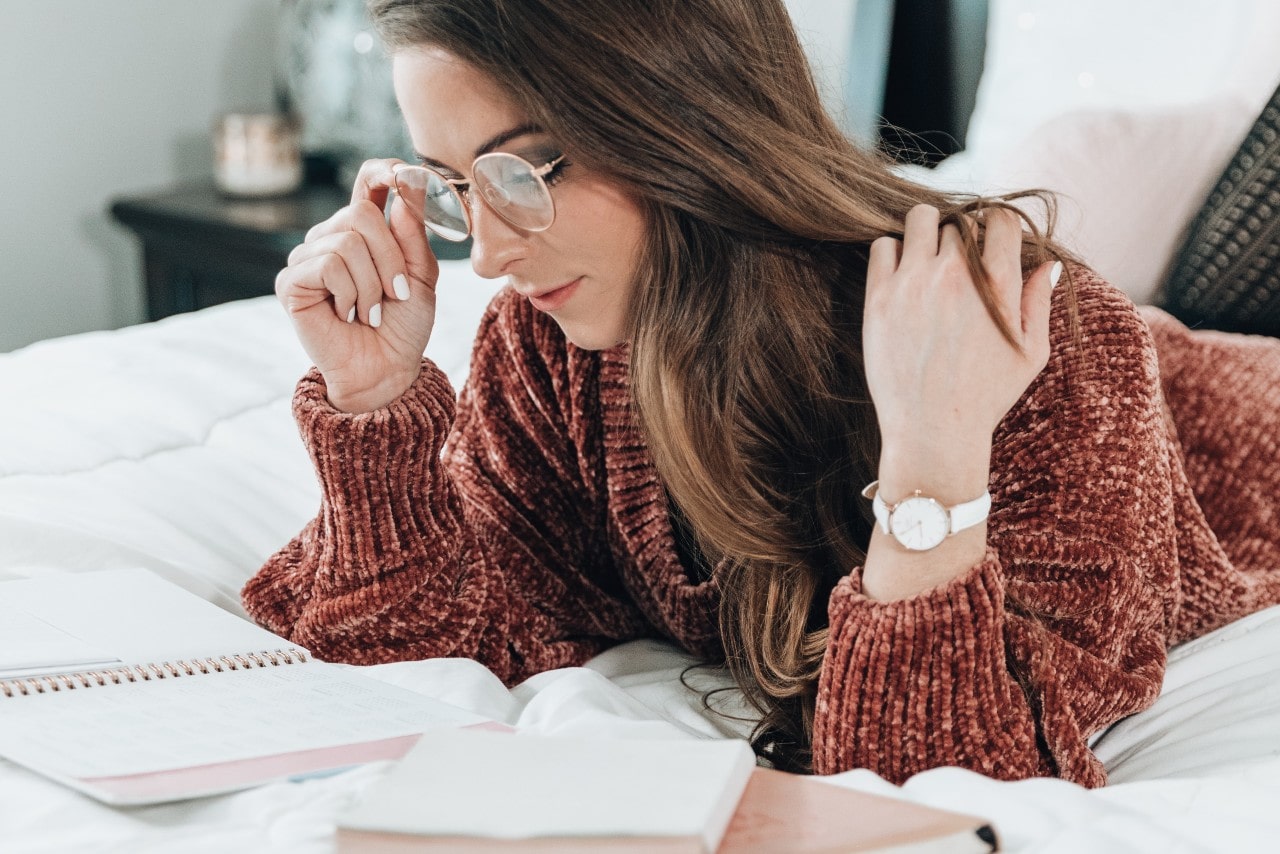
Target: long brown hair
<point x="746" y="359"/>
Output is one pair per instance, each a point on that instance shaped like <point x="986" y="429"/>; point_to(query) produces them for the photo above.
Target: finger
<point x="420" y="265"/>
<point x="882" y="260"/>
<point x="1036" y="309"/>
<point x="950" y="240"/>
<point x="920" y="234"/>
<point x="384" y="249"/>
<point x="352" y="247"/>
<point x="356" y="215"/>
<point x="1002" y="260"/>
<point x="317" y="280"/>
<point x="374" y="239"/>
<point x="374" y="181"/>
<point x="1002" y="246"/>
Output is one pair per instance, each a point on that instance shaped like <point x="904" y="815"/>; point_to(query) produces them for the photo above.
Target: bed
<point x="170" y="446"/>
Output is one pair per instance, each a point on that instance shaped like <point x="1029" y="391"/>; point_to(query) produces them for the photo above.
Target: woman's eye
<point x="446" y="190"/>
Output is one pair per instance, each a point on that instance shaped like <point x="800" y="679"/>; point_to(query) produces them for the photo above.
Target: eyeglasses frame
<point x="463" y="190"/>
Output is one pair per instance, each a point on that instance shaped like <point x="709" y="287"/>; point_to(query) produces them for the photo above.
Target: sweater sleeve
<point x="1061" y="629"/>
<point x="494" y="549"/>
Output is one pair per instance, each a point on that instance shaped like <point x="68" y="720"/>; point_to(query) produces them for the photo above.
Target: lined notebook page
<point x="29" y="645"/>
<point x="179" y="721"/>
<point x="135" y="728"/>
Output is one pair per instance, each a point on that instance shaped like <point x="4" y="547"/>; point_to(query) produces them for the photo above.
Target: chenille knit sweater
<point x="542" y="535"/>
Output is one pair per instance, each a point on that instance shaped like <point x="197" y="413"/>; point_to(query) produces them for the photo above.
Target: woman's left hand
<point x="939" y="370"/>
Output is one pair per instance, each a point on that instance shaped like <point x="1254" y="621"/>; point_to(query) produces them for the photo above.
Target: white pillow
<point x="1129" y="181"/>
<point x="1131" y="109"/>
<point x="1048" y="57"/>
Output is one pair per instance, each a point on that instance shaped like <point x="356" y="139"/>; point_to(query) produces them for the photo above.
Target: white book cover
<point x="472" y="784"/>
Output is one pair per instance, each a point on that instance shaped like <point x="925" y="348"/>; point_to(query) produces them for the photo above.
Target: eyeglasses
<point x="515" y="190"/>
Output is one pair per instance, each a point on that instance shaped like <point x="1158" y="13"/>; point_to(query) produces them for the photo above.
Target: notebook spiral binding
<point x="146" y="672"/>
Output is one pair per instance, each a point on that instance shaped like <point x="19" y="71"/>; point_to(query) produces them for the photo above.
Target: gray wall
<point x="101" y="98"/>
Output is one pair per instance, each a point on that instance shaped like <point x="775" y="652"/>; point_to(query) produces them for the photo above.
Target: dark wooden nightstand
<point x="201" y="248"/>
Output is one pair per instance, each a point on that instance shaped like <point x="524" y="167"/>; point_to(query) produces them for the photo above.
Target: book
<point x="489" y="793"/>
<point x="789" y="814"/>
<point x="476" y="791"/>
<point x="132" y="690"/>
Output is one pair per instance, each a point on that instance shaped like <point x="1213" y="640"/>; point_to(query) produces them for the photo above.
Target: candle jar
<point x="257" y="155"/>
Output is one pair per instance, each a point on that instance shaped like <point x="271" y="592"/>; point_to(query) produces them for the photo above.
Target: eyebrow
<point x="488" y="146"/>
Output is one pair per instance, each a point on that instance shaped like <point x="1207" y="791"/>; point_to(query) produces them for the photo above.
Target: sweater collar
<point x="640" y="511"/>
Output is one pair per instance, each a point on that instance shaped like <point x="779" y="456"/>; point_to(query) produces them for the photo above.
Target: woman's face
<point x="580" y="270"/>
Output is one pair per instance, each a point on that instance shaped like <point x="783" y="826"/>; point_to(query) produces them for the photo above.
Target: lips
<point x="556" y="297"/>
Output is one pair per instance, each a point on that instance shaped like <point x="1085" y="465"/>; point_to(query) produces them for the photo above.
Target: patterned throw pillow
<point x="1227" y="273"/>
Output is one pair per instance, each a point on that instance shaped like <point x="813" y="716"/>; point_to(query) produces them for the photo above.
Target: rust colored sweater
<point x="542" y="536"/>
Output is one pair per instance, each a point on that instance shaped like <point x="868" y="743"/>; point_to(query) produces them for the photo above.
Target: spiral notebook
<point x="132" y="690"/>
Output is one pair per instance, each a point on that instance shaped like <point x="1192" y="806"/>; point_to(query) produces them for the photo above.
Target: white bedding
<point x="170" y="446"/>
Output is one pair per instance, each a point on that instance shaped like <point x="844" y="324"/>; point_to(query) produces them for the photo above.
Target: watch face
<point x="919" y="523"/>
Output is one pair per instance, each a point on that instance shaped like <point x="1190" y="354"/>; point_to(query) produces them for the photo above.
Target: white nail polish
<point x="351" y="315"/>
<point x="375" y="316"/>
<point x="401" y="286"/>
<point x="1055" y="273"/>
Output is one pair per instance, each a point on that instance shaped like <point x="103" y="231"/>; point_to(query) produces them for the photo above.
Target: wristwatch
<point x="921" y="523"/>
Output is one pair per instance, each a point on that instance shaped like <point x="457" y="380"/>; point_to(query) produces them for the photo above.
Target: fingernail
<point x="351" y="315"/>
<point x="375" y="316"/>
<point x="1055" y="273"/>
<point x="401" y="286"/>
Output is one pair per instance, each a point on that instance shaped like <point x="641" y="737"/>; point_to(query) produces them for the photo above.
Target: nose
<point x="496" y="244"/>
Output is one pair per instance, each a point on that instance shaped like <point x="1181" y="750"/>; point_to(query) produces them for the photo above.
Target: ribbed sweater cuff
<point x="379" y="472"/>
<point x="895" y="671"/>
<point x="983" y="578"/>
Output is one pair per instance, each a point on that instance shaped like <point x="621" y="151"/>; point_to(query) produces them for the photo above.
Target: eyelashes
<point x="556" y="175"/>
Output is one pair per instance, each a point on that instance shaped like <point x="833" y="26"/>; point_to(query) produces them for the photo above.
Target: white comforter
<point x="170" y="446"/>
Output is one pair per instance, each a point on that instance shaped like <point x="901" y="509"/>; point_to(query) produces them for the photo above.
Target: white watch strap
<point x="970" y="513"/>
<point x="878" y="507"/>
<point x="960" y="516"/>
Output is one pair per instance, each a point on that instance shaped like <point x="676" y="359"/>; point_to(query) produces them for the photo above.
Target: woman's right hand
<point x="360" y="291"/>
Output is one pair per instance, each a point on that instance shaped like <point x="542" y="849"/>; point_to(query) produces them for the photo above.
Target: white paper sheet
<point x="30" y="645"/>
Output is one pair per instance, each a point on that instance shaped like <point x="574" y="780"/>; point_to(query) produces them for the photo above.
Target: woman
<point x="724" y="321"/>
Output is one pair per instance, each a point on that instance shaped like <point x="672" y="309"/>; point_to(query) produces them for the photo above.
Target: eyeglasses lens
<point x="511" y="188"/>
<point x="442" y="208"/>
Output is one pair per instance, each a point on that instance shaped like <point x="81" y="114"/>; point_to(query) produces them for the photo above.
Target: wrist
<point x="892" y="572"/>
<point x="356" y="399"/>
<point x="952" y="475"/>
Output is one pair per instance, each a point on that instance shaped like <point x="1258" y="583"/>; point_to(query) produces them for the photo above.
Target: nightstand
<point x="201" y="248"/>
